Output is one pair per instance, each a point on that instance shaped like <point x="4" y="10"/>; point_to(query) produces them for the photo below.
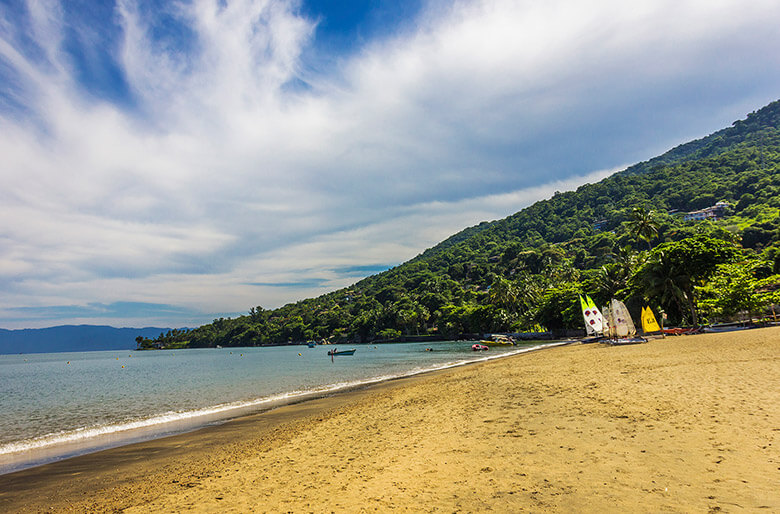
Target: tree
<point x="406" y="317"/>
<point x="142" y="343"/>
<point x="735" y="288"/>
<point x="256" y="313"/>
<point x="389" y="333"/>
<point x="488" y="318"/>
<point x="673" y="270"/>
<point x="504" y="295"/>
<point x="615" y="276"/>
<point x="643" y="225"/>
<point x="528" y="293"/>
<point x="560" y="307"/>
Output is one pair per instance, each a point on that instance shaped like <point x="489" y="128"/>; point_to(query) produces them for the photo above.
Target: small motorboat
<point x="727" y="327"/>
<point x="336" y="352"/>
<point x="498" y="340"/>
<point x="479" y="347"/>
<point x="675" y="331"/>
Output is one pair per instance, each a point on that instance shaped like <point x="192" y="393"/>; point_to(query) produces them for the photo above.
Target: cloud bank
<point x="208" y="156"/>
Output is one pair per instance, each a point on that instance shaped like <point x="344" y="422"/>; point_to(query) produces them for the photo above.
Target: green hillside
<point x="624" y="236"/>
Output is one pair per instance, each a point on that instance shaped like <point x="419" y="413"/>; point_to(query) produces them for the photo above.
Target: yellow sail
<point x="649" y="324"/>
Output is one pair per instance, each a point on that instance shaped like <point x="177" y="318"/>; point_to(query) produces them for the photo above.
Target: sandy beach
<point x="684" y="424"/>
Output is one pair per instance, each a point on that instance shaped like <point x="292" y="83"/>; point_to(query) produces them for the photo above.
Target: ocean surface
<point x="57" y="405"/>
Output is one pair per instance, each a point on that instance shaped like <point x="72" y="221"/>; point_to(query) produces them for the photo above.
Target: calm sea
<point x="58" y="405"/>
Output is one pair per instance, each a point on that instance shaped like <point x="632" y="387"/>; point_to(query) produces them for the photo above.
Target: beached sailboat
<point x="649" y="323"/>
<point x="607" y="323"/>
<point x="594" y="322"/>
<point x="621" y="326"/>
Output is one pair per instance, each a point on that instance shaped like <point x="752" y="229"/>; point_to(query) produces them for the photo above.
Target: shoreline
<point x="687" y="423"/>
<point x="116" y="464"/>
<point x="82" y="442"/>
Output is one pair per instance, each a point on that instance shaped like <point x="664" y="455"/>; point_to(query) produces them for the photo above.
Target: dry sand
<point x="685" y="424"/>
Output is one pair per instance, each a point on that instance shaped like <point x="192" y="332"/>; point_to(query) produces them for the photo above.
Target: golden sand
<point x="685" y="424"/>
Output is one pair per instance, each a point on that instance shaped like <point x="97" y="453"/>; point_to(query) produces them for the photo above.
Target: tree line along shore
<point x="694" y="233"/>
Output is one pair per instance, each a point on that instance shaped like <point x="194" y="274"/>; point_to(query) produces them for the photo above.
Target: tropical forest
<point x="694" y="234"/>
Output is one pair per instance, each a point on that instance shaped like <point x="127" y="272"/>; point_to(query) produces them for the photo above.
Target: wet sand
<point x="681" y="424"/>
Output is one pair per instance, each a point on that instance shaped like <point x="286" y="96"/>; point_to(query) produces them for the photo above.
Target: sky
<point x="165" y="163"/>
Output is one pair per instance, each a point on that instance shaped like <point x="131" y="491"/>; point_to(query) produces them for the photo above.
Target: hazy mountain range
<point x="72" y="338"/>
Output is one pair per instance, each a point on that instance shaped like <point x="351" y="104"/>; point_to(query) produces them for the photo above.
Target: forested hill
<point x="758" y="132"/>
<point x="747" y="130"/>
<point x="626" y="236"/>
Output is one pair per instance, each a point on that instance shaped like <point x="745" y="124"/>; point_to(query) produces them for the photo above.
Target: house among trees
<point x="715" y="212"/>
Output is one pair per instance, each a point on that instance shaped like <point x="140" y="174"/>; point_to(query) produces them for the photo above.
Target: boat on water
<point x="479" y="347"/>
<point x="336" y="352"/>
<point x="311" y="344"/>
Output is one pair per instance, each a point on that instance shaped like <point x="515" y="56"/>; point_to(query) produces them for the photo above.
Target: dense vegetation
<point x="623" y="237"/>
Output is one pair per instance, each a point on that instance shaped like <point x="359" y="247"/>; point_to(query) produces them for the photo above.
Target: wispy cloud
<point x="190" y="155"/>
<point x="308" y="283"/>
<point x="116" y="311"/>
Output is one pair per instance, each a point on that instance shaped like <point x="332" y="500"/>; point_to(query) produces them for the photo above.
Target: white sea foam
<point x="200" y="417"/>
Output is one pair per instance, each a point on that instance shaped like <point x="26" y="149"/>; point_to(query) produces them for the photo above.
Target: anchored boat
<point x="335" y="352"/>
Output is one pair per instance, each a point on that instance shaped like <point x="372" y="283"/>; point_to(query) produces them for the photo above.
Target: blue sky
<point x="166" y="163"/>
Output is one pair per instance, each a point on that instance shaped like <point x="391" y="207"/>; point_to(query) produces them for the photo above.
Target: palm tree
<point x="503" y="294"/>
<point x="528" y="293"/>
<point x="659" y="279"/>
<point x="643" y="225"/>
<point x="616" y="275"/>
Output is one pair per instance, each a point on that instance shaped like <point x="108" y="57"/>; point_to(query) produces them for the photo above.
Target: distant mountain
<point x="71" y="338"/>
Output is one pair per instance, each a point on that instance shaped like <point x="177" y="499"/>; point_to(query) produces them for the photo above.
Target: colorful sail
<point x="593" y="322"/>
<point x="599" y="325"/>
<point x="584" y="307"/>
<point x="649" y="324"/>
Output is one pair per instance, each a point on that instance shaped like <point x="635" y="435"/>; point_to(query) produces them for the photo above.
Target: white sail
<point x="593" y="323"/>
<point x="609" y="323"/>
<point x="624" y="326"/>
<point x="588" y="328"/>
<point x="598" y="324"/>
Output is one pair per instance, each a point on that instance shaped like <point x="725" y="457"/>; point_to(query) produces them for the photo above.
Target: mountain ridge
<point x="525" y="270"/>
<point x="72" y="338"/>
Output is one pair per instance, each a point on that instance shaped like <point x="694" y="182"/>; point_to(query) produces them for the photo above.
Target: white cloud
<point x="223" y="172"/>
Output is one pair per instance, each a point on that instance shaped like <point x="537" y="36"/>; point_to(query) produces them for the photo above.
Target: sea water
<point x="58" y="405"/>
